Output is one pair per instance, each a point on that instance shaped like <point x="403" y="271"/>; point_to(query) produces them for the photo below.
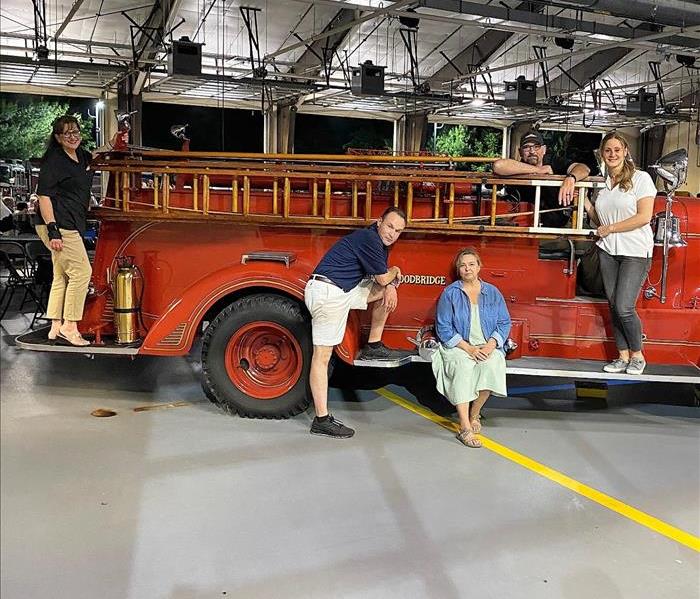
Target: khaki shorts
<point x="329" y="307"/>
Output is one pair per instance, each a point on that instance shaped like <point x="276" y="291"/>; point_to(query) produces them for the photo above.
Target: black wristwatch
<point x="572" y="176"/>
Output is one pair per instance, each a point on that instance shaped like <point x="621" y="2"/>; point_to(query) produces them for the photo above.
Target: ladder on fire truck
<point x="266" y="188"/>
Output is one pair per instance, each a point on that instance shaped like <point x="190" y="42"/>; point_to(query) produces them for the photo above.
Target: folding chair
<point x="20" y="269"/>
<point x="40" y="257"/>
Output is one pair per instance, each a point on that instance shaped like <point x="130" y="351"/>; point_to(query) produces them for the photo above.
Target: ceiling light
<point x="685" y="60"/>
<point x="41" y="53"/>
<point x="641" y="103"/>
<point x="606" y="38"/>
<point x="521" y="92"/>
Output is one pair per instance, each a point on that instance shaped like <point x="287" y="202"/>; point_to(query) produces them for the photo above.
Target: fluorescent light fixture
<point x="606" y="38"/>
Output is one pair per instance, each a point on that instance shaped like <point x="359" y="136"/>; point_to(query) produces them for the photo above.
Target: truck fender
<point x="174" y="332"/>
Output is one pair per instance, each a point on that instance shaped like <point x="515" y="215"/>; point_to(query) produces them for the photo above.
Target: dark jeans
<point x="622" y="279"/>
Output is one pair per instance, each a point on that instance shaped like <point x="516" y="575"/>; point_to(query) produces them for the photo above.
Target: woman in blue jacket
<point x="472" y="323"/>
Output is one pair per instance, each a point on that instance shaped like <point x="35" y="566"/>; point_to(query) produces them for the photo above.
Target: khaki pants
<point x="71" y="275"/>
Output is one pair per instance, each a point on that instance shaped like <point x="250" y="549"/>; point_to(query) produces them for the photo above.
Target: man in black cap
<point x="532" y="163"/>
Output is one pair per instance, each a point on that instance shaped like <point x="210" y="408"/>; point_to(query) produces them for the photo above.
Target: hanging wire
<point x="678" y="123"/>
<point x="695" y="103"/>
<point x="222" y="83"/>
<point x="388" y="26"/>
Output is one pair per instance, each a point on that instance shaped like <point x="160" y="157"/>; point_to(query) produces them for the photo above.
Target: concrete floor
<point x="190" y="503"/>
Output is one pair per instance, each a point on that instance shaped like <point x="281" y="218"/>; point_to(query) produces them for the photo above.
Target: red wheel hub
<point x="263" y="359"/>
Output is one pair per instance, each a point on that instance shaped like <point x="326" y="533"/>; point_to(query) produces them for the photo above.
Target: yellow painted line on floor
<point x="659" y="526"/>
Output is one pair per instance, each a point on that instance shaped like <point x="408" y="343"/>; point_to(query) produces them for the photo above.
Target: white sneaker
<point x="636" y="366"/>
<point x="616" y="366"/>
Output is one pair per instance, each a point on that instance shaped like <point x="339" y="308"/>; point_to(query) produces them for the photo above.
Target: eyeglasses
<point x="531" y="148"/>
<point x="71" y="134"/>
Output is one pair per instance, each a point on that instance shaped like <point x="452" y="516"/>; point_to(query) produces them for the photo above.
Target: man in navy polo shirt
<point x="353" y="273"/>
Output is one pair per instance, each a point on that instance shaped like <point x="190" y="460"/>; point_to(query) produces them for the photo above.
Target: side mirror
<point x="672" y="168"/>
<point x="179" y="131"/>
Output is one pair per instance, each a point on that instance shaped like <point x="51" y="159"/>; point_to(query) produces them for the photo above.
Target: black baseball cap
<point x="532" y="137"/>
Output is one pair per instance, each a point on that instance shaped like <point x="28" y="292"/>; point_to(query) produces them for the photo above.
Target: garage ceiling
<point x="460" y="51"/>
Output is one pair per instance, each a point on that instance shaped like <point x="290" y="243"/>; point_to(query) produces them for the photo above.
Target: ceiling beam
<point x="65" y="40"/>
<point x="581" y="52"/>
<point x="572" y="79"/>
<point x="69" y="17"/>
<point x="173" y="12"/>
<point x="691" y="99"/>
<point x="549" y="23"/>
<point x="158" y="22"/>
<point x="480" y="51"/>
<point x="676" y="13"/>
<point x="380" y="12"/>
<point x="309" y="62"/>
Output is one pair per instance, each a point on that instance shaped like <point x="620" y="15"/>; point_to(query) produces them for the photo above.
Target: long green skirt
<point x="460" y="378"/>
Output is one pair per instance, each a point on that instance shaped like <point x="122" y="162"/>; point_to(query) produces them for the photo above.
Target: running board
<point x="570" y="368"/>
<point x="38" y="341"/>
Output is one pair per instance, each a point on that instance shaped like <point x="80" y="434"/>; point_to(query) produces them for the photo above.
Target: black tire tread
<point x="277" y="302"/>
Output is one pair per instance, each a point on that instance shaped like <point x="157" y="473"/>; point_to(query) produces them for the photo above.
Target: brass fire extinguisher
<point x="127" y="300"/>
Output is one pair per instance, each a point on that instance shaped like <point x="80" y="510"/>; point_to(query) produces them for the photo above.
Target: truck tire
<point x="256" y="356"/>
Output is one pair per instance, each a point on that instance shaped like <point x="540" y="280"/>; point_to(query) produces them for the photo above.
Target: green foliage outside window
<point x="25" y="127"/>
<point x="458" y="140"/>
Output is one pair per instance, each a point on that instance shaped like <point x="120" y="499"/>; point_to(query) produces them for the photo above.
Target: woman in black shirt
<point x="64" y="198"/>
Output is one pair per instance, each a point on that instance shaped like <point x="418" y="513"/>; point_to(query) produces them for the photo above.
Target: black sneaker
<point x="331" y="428"/>
<point x="381" y="352"/>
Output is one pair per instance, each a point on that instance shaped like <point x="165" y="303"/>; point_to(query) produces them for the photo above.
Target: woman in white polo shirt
<point x="623" y="211"/>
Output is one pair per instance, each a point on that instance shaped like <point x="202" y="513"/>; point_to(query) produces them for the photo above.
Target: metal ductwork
<point x="675" y="13"/>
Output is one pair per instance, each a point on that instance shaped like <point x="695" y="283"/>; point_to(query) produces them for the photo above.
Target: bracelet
<point x="572" y="176"/>
<point x="54" y="233"/>
<point x="395" y="282"/>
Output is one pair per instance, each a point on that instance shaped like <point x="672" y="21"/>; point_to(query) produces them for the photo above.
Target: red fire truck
<point x="221" y="245"/>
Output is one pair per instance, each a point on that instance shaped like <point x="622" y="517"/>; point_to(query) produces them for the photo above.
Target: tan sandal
<point x="476" y="424"/>
<point x="75" y="339"/>
<point x="468" y="438"/>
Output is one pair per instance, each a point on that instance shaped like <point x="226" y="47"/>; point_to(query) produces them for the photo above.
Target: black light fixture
<point x="367" y="79"/>
<point x="185" y="58"/>
<point x="521" y="92"/>
<point x="641" y="103"/>
<point x="41" y="52"/>
<point x="410" y="22"/>
<point x="423" y="88"/>
<point x="564" y="42"/>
